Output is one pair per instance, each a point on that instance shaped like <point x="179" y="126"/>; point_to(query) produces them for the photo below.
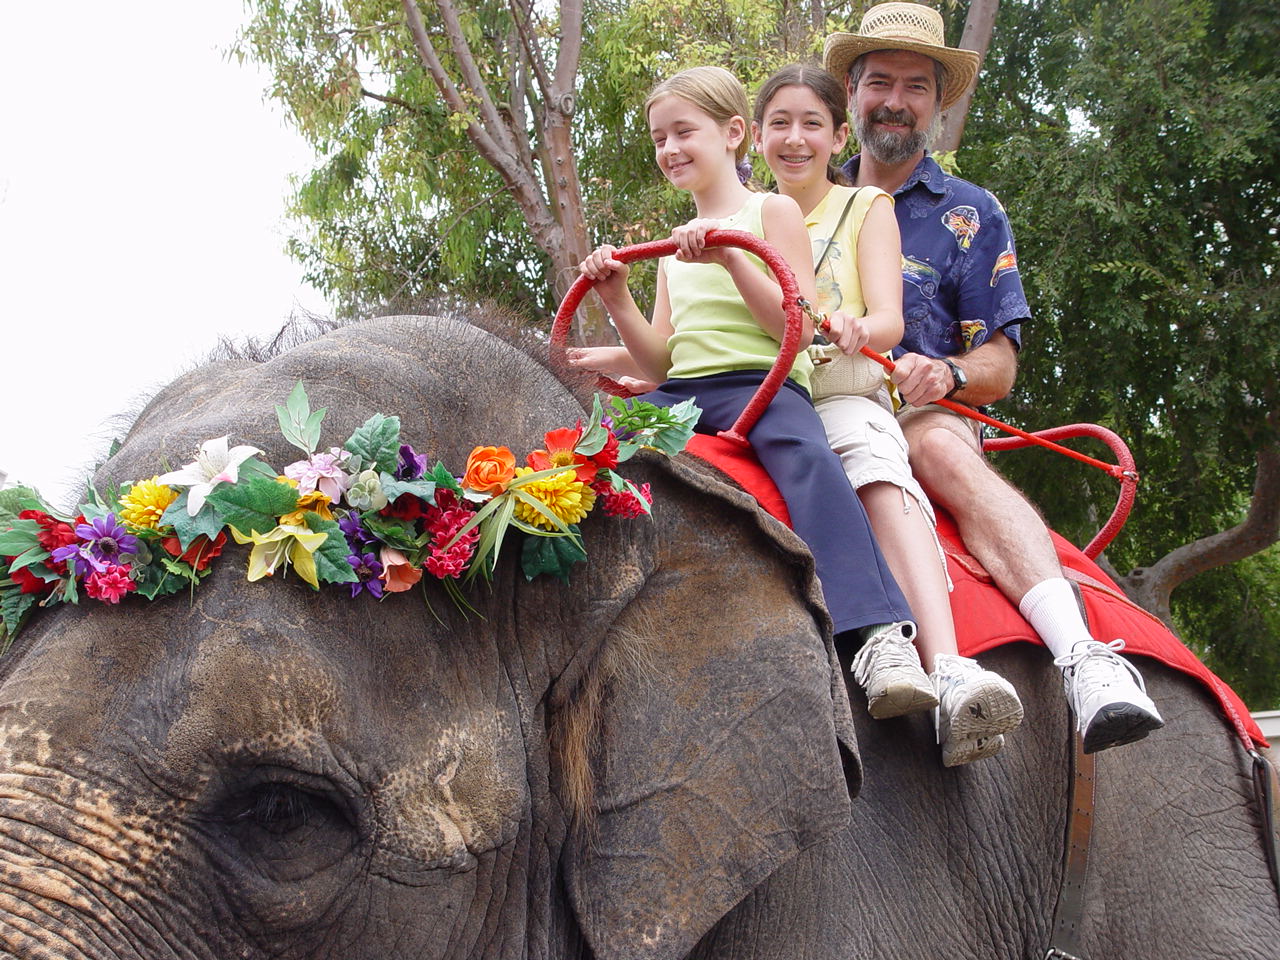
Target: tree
<point x="1134" y="146"/>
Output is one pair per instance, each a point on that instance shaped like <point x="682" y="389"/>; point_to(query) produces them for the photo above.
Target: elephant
<point x="659" y="758"/>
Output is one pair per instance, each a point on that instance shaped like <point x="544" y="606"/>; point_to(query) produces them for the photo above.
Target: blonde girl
<point x="716" y="326"/>
<point x="799" y="126"/>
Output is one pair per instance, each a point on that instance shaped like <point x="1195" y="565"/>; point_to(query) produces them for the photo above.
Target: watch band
<point x="957" y="374"/>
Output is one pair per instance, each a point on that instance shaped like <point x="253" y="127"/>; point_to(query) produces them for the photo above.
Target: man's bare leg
<point x="1009" y="538"/>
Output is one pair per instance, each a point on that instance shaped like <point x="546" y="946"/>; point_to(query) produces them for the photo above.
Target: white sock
<point x="1050" y="607"/>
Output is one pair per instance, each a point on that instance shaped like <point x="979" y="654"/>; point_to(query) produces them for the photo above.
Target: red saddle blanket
<point x="1111" y="613"/>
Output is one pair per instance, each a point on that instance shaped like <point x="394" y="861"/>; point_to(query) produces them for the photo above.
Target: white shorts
<point x="866" y="435"/>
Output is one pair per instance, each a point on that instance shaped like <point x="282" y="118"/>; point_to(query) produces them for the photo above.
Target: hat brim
<point x="961" y="66"/>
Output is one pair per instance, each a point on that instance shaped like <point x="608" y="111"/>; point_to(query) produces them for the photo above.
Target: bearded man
<point x="963" y="307"/>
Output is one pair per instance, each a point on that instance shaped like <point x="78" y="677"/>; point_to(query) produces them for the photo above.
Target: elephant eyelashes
<point x="275" y="812"/>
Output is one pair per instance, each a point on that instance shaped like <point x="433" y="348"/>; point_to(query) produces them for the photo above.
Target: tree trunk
<point x="978" y="26"/>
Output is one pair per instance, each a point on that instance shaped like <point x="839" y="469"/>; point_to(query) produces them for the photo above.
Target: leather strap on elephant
<point x="792" y="304"/>
<point x="1266" y="786"/>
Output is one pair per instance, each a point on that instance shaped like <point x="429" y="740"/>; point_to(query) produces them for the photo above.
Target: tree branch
<point x="1152" y="586"/>
<point x="522" y="14"/>
<point x="978" y="26"/>
<point x="387" y="98"/>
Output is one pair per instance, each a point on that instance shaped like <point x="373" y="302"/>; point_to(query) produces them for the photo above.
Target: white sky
<point x="142" y="189"/>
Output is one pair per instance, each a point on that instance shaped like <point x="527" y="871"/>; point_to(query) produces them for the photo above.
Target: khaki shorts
<point x="866" y="435"/>
<point x="906" y="412"/>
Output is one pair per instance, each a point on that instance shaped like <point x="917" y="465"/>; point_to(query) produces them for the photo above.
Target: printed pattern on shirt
<point x="963" y="222"/>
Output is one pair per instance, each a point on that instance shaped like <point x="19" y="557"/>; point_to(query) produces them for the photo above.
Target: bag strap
<point x="844" y="214"/>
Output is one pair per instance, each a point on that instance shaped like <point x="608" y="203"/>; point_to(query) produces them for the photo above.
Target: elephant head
<point x="599" y="767"/>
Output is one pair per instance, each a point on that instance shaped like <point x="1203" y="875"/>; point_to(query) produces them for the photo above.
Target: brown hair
<point x="824" y="86"/>
<point x="713" y="90"/>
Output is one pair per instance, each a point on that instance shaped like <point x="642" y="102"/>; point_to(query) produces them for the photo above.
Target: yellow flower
<point x="562" y="494"/>
<point x="145" y="503"/>
<point x="315" y="501"/>
<point x="286" y="544"/>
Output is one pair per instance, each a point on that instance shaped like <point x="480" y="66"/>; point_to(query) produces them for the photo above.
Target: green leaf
<point x="666" y="429"/>
<point x="553" y="555"/>
<point x="14" y="606"/>
<point x="186" y="528"/>
<point x="596" y="434"/>
<point x="422" y="489"/>
<point x="298" y="424"/>
<point x="254" y="506"/>
<point x="443" y="479"/>
<point x="36" y="554"/>
<point x="21" y="538"/>
<point x="331" y="556"/>
<point x="14" y="500"/>
<point x="253" y="467"/>
<point x="162" y="579"/>
<point x="394" y="533"/>
<point x="377" y="443"/>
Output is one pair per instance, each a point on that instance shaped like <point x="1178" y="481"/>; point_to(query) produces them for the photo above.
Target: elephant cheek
<point x="77" y="874"/>
<point x="466" y="797"/>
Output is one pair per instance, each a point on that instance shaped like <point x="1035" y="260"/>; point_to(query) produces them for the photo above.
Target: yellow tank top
<point x="715" y="332"/>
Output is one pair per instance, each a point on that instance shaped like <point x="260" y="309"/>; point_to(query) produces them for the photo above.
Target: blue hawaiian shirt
<point x="959" y="266"/>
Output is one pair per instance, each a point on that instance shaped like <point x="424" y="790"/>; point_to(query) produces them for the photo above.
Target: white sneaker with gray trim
<point x="975" y="708"/>
<point x="888" y="669"/>
<point x="1107" y="695"/>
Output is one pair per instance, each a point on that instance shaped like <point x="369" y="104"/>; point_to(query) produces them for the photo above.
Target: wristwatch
<point x="957" y="375"/>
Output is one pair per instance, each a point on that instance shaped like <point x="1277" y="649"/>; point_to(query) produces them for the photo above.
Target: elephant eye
<point x="279" y="808"/>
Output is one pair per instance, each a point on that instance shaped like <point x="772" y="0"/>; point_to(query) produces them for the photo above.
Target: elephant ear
<point x="726" y="746"/>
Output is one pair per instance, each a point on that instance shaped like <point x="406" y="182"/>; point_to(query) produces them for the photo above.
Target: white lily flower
<point x="214" y="464"/>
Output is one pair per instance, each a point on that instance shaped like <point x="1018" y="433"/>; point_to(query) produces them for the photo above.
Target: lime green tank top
<point x="715" y="332"/>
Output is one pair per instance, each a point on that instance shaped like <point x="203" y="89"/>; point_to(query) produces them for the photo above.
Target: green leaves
<point x="643" y="424"/>
<point x="208" y="521"/>
<point x="552" y="555"/>
<point x="14" y="607"/>
<point x="298" y="424"/>
<point x="377" y="443"/>
<point x="330" y="556"/>
<point x="253" y="506"/>
<point x="21" y="538"/>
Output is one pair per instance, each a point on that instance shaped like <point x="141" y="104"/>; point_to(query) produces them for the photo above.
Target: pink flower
<point x="109" y="585"/>
<point x="398" y="574"/>
<point x="443" y="524"/>
<point x="322" y="472"/>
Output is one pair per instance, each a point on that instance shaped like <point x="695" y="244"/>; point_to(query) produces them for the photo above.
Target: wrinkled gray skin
<point x="272" y="772"/>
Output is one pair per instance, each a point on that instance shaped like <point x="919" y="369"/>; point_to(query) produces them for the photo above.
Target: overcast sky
<point x="142" y="190"/>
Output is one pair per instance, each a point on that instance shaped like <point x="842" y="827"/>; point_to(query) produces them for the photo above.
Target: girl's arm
<point x="784" y="228"/>
<point x="880" y="272"/>
<point x="645" y="342"/>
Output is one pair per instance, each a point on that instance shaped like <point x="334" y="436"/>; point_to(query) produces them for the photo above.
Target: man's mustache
<point x="885" y="115"/>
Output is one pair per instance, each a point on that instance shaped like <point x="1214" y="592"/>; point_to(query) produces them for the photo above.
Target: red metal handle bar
<point x="1125" y="471"/>
<point x="715" y="238"/>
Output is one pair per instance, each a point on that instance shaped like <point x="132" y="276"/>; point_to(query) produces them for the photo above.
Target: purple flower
<point x="74" y="559"/>
<point x="369" y="570"/>
<point x="103" y="543"/>
<point x="355" y="532"/>
<point x="412" y="466"/>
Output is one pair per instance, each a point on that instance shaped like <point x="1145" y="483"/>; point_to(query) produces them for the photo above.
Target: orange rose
<point x="489" y="469"/>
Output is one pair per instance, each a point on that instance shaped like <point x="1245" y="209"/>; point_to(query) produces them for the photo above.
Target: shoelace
<point x="891" y="648"/>
<point x="1100" y="654"/>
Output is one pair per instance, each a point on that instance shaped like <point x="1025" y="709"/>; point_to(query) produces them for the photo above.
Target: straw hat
<point x="903" y="26"/>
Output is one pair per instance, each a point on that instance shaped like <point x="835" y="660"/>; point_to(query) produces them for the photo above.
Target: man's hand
<point x="921" y="379"/>
<point x="990" y="369"/>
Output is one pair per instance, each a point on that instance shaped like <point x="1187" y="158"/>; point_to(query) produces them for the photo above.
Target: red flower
<point x="200" y="553"/>
<point x="622" y="503"/>
<point x="607" y="458"/>
<point x="53" y="534"/>
<point x="28" y="581"/>
<point x="405" y="507"/>
<point x="559" y="453"/>
<point x="448" y="560"/>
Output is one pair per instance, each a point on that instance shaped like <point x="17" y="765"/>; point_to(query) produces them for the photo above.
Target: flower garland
<point x="368" y="514"/>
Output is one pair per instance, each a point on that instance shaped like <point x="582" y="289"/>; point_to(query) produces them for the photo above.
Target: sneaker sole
<point x="1117" y="724"/>
<point x="995" y="709"/>
<point x="958" y="752"/>
<point x="900" y="700"/>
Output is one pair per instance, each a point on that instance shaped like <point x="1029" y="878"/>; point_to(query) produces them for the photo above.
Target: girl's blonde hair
<point x="713" y="90"/>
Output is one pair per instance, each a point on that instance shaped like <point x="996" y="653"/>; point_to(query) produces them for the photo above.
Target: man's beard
<point x="891" y="148"/>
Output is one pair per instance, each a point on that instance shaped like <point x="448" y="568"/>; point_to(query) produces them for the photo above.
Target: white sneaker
<point x="975" y="707"/>
<point x="1107" y="695"/>
<point x="888" y="669"/>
